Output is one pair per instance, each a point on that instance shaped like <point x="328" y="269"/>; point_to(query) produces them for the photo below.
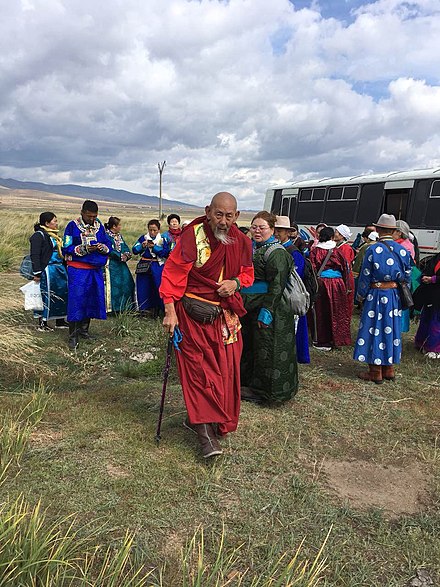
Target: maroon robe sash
<point x="203" y="281"/>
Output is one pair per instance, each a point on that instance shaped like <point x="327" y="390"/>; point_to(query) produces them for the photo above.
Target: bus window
<point x="396" y="202"/>
<point x="285" y="207"/>
<point x="334" y="193"/>
<point x="420" y="195"/>
<point x="318" y="194"/>
<point x="276" y="202"/>
<point x="370" y="203"/>
<point x="305" y="195"/>
<point x="292" y="209"/>
<point x="433" y="208"/>
<point x="350" y="192"/>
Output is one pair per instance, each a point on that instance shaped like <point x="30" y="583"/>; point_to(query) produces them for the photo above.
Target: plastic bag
<point x="32" y="296"/>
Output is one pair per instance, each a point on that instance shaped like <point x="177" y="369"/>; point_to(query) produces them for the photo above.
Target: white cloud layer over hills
<point x="234" y="95"/>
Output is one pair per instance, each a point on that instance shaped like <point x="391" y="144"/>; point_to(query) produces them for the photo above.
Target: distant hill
<point x="92" y="193"/>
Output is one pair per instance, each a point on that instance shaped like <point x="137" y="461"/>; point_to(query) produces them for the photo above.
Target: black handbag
<point x="406" y="299"/>
<point x="200" y="311"/>
<point x="143" y="266"/>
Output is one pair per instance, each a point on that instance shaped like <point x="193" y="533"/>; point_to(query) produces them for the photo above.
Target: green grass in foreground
<point x="238" y="520"/>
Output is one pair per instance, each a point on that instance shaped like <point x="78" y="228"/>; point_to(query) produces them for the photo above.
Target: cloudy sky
<point x="235" y="95"/>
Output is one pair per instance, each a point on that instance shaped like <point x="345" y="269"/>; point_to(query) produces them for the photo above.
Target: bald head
<point x="221" y="214"/>
<point x="223" y="199"/>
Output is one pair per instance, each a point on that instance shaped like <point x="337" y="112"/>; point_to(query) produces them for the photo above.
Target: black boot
<point x="73" y="335"/>
<point x="84" y="329"/>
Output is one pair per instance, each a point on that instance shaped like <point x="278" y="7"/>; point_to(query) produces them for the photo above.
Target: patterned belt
<point x="384" y="285"/>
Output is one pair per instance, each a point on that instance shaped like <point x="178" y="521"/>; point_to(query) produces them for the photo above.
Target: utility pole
<point x="160" y="167"/>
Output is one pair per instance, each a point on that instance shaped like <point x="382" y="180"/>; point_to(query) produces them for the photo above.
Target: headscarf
<point x="344" y="231"/>
<point x="54" y="234"/>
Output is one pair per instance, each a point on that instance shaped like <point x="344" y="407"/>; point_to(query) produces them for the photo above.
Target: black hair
<point x="243" y="229"/>
<point x="90" y="206"/>
<point x="295" y="225"/>
<point x="326" y="234"/>
<point x="112" y="221"/>
<point x="44" y="217"/>
<point x="155" y="222"/>
<point x="171" y="216"/>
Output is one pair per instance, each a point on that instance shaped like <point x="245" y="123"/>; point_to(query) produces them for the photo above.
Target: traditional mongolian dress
<point x="171" y="236"/>
<point x="53" y="277"/>
<point x="407" y="244"/>
<point x="302" y="333"/>
<point x="268" y="365"/>
<point x="379" y="337"/>
<point x="85" y="270"/>
<point x="119" y="282"/>
<point x="427" y="299"/>
<point x="148" y="283"/>
<point x="209" y="356"/>
<point x="331" y="326"/>
<point x="349" y="255"/>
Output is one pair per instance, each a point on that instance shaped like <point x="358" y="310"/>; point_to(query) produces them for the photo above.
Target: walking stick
<point x="166" y="372"/>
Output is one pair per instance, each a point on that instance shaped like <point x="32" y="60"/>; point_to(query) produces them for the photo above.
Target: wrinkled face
<point x="221" y="216"/>
<point x="153" y="230"/>
<point x="282" y="234"/>
<point x="260" y="230"/>
<point x="174" y="223"/>
<point x="88" y="216"/>
<point x="53" y="224"/>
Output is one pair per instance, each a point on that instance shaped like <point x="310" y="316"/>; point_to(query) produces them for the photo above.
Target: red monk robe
<point x="209" y="357"/>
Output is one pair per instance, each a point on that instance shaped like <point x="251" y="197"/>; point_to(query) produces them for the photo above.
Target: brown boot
<point x="388" y="372"/>
<point x="208" y="441"/>
<point x="374" y="373"/>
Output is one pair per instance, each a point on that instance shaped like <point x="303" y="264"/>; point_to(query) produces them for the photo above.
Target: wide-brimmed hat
<point x="386" y="221"/>
<point x="282" y="222"/>
<point x="344" y="231"/>
<point x="403" y="227"/>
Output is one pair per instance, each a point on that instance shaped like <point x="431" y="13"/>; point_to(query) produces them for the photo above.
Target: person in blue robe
<point x="379" y="343"/>
<point x="174" y="231"/>
<point x="153" y="250"/>
<point x="86" y="247"/>
<point x="282" y="232"/>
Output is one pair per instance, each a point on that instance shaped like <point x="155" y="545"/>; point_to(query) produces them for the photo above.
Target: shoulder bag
<point x="406" y="299"/>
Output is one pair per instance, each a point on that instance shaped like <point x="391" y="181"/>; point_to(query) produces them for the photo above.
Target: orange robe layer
<point x="209" y="356"/>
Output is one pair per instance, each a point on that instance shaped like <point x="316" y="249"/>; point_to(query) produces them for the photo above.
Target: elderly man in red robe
<point x="211" y="262"/>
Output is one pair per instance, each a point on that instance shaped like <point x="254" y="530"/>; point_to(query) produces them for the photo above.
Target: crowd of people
<point x="220" y="289"/>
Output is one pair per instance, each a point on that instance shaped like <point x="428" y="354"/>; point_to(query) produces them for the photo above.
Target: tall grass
<point x="34" y="553"/>
<point x="15" y="429"/>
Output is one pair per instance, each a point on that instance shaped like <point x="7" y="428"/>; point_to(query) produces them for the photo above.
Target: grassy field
<point x="348" y="466"/>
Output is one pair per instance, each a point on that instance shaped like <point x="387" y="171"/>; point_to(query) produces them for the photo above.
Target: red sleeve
<point x="174" y="276"/>
<point x="246" y="276"/>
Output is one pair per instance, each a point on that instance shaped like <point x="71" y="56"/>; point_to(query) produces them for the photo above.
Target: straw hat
<point x="282" y="222"/>
<point x="386" y="221"/>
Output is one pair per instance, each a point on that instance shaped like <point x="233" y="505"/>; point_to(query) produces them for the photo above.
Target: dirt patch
<point x="116" y="472"/>
<point x="397" y="490"/>
<point x="45" y="438"/>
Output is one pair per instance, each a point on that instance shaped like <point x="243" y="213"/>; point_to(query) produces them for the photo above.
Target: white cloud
<point x="234" y="95"/>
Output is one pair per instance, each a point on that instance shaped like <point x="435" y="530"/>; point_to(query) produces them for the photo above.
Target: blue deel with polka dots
<point x="379" y="337"/>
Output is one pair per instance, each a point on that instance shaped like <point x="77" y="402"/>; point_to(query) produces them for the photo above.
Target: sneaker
<point x="60" y="323"/>
<point x="322" y="348"/>
<point x="44" y="327"/>
<point x="432" y="355"/>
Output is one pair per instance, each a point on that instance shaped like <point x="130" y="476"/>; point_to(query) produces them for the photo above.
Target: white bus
<point x="413" y="196"/>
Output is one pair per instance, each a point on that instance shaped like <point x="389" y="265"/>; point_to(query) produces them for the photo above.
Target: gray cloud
<point x="234" y="95"/>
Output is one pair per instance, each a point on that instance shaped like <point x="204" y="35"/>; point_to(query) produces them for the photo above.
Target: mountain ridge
<point x="98" y="193"/>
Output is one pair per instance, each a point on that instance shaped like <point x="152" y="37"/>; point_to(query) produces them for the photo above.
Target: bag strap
<point x="272" y="247"/>
<point x="324" y="263"/>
